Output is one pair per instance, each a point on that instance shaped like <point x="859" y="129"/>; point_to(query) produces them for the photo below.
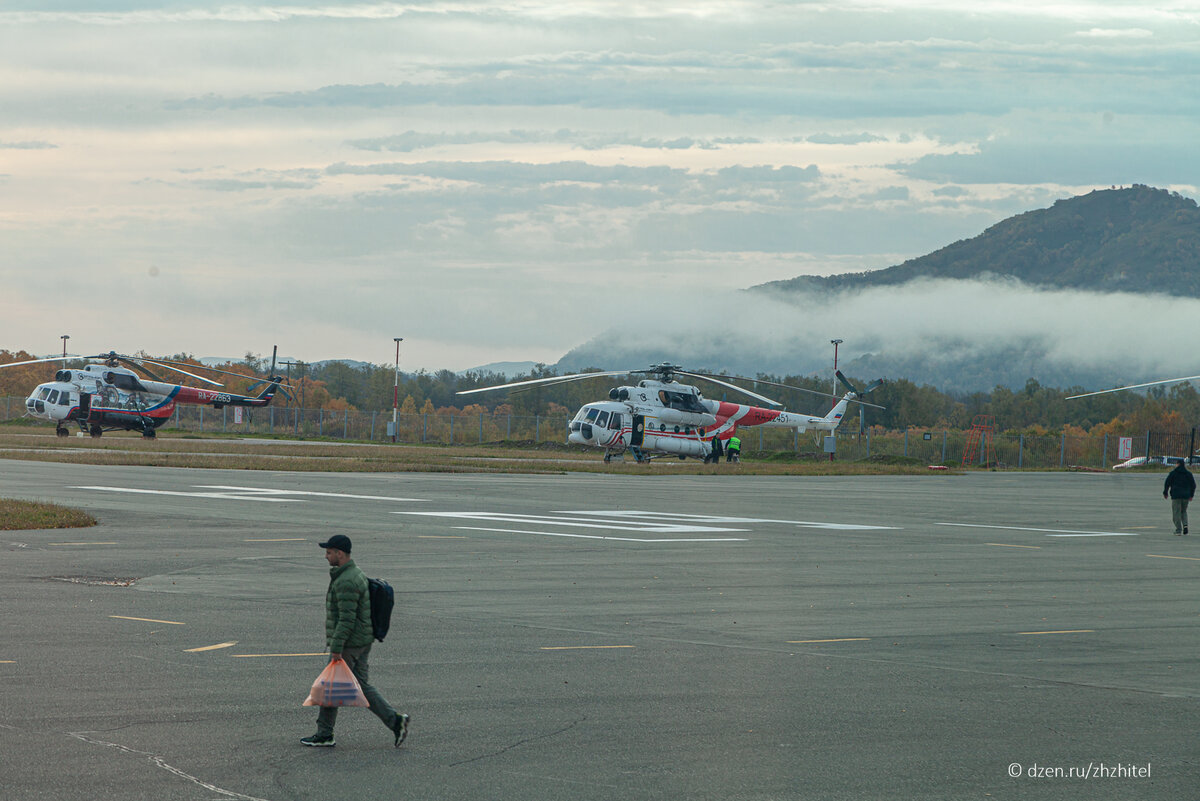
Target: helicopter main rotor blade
<point x="1132" y="386"/>
<point x="822" y="394"/>
<point x="164" y="365"/>
<point x="558" y="379"/>
<point x="39" y="361"/>
<point x="743" y="390"/>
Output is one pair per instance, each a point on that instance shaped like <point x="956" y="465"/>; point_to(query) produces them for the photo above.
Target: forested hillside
<point x="1138" y="239"/>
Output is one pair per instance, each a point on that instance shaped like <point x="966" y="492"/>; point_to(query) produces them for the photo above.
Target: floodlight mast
<point x="396" y="393"/>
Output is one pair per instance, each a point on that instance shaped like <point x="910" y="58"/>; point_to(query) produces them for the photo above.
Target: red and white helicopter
<point x="110" y="397"/>
<point x="662" y="417"/>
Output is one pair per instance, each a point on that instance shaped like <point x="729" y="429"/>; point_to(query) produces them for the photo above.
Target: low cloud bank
<point x="956" y="335"/>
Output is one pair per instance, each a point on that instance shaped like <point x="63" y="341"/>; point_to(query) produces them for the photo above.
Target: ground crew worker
<point x="733" y="449"/>
<point x="715" y="454"/>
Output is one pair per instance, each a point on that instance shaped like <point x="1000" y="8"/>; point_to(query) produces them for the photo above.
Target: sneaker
<point x="401" y="730"/>
<point x="1185" y="531"/>
<point x="317" y="741"/>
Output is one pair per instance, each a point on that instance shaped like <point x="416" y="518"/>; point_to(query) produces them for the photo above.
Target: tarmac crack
<point x="520" y="743"/>
<point x="159" y="762"/>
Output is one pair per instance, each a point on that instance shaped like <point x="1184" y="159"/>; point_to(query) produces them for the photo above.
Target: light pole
<point x="835" y="343"/>
<point x="396" y="392"/>
<point x="64" y="338"/>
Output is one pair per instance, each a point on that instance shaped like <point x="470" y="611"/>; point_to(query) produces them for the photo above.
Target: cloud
<point x="27" y="146"/>
<point x="925" y="329"/>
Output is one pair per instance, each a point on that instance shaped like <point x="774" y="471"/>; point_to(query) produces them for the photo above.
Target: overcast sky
<point x="504" y="180"/>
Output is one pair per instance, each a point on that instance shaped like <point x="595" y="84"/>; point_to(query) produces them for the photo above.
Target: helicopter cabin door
<point x="639" y="431"/>
<point x="85" y="405"/>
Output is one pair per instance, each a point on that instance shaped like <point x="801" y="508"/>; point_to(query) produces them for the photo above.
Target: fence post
<point x="906" y="442"/>
<point x="760" y="440"/>
<point x="424" y="426"/>
<point x="796" y="440"/>
<point x="537" y="429"/>
<point x="1147" y="441"/>
<point x="868" y="443"/>
<point x="224" y="417"/>
<point x="451" y="416"/>
<point x="1104" y="454"/>
<point x="1062" y="451"/>
<point x="372" y="426"/>
<point x="944" y="434"/>
<point x="1021" y="452"/>
<point x="346" y="426"/>
<point x="509" y="434"/>
<point x="481" y="428"/>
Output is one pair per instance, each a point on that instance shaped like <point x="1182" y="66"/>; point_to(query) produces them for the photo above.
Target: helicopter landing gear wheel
<point x="95" y="431"/>
<point x="62" y="432"/>
<point x="607" y="458"/>
<point x="149" y="433"/>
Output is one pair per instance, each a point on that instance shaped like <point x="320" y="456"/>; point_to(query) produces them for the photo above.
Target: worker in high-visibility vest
<point x="733" y="449"/>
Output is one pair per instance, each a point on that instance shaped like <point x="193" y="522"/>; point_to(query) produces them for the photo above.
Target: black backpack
<point x="382" y="601"/>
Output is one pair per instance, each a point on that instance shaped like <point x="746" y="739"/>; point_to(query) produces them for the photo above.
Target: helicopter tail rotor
<point x="859" y="392"/>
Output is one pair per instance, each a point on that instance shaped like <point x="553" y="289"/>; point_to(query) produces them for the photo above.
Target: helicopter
<point x="663" y="417"/>
<point x="108" y="396"/>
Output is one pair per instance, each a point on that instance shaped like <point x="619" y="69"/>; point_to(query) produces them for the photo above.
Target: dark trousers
<point x="356" y="659"/>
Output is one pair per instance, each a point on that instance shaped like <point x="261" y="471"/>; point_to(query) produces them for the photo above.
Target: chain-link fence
<point x="923" y="445"/>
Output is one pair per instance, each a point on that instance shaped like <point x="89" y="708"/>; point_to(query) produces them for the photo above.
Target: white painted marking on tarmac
<point x="596" y="536"/>
<point x="1058" y="532"/>
<point x="632" y="514"/>
<point x="221" y="495"/>
<point x="578" y="522"/>
<point x="265" y="494"/>
<point x="267" y="491"/>
<point x="158" y="761"/>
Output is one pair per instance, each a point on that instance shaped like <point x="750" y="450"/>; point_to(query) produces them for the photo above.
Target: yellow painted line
<point x="216" y="647"/>
<point x="148" y="620"/>
<point x="258" y="656"/>
<point x="839" y="639"/>
<point x="285" y="539"/>
<point x="81" y="543"/>
<point x="1064" y="631"/>
<point x="1006" y="545"/>
<point x="8" y="661"/>
<point x="583" y="647"/>
<point x="1162" y="556"/>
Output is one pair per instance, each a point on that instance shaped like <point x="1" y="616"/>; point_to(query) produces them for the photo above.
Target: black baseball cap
<point x="339" y="541"/>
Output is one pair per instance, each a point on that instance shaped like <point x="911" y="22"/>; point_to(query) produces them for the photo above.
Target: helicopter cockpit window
<point x="45" y="393"/>
<point x="53" y="396"/>
<point x="602" y="419"/>
<point x="681" y="400"/>
<point x="614" y="422"/>
<point x="591" y="415"/>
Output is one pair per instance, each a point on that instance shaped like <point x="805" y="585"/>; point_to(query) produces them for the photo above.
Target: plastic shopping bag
<point x="336" y="686"/>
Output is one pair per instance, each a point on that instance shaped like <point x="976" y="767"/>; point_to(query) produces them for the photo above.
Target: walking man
<point x="1181" y="486"/>
<point x="348" y="635"/>
<point x="714" y="455"/>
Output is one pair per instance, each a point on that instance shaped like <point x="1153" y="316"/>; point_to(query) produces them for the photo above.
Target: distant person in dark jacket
<point x="715" y="454"/>
<point x="1180" y="486"/>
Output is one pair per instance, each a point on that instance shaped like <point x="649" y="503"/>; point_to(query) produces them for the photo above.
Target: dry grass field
<point x="24" y="441"/>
